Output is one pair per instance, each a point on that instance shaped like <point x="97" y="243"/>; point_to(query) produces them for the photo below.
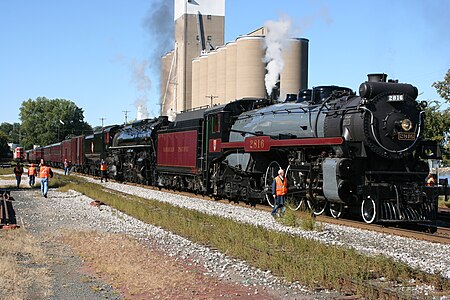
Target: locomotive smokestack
<point x="376" y="77"/>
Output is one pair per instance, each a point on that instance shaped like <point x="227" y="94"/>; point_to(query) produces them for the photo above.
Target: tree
<point x="47" y="121"/>
<point x="437" y="120"/>
<point x="11" y="132"/>
<point x="4" y="148"/>
<point x="437" y="127"/>
<point x="443" y="87"/>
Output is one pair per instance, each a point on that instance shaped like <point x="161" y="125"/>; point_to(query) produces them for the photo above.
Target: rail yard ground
<point x="108" y="254"/>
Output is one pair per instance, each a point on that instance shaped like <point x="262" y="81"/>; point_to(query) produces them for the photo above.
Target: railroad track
<point x="435" y="234"/>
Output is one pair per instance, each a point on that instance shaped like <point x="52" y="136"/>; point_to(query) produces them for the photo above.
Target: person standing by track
<point x="32" y="172"/>
<point x="18" y="171"/>
<point x="66" y="166"/>
<point x="279" y="192"/>
<point x="103" y="171"/>
<point x="45" y="173"/>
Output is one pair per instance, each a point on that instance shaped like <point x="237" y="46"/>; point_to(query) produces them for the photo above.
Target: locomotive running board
<point x="265" y="143"/>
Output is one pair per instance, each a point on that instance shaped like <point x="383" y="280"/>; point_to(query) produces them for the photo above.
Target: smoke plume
<point x="142" y="84"/>
<point x="275" y="42"/>
<point x="159" y="25"/>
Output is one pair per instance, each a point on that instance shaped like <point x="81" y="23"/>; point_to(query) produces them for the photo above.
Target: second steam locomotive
<point x="341" y="151"/>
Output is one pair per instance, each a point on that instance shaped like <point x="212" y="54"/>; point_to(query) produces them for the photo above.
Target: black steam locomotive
<point x="350" y="153"/>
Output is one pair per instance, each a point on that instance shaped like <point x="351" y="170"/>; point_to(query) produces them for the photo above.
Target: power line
<point x="102" y="119"/>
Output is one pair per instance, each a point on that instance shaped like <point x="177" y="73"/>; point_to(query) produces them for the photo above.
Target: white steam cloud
<point x="275" y="42"/>
<point x="142" y="84"/>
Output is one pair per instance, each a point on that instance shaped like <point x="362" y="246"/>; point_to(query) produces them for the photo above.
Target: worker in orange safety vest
<point x="279" y="192"/>
<point x="32" y="172"/>
<point x="103" y="171"/>
<point x="45" y="172"/>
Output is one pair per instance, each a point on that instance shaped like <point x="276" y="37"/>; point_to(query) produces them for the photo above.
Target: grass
<point x="23" y="265"/>
<point x="442" y="203"/>
<point x="309" y="262"/>
<point x="6" y="171"/>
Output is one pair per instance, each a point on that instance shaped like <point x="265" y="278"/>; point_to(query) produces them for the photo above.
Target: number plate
<point x="406" y="136"/>
<point x="257" y="143"/>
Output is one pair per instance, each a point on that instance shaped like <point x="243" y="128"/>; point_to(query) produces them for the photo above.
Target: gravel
<point x="71" y="208"/>
<point x="426" y="256"/>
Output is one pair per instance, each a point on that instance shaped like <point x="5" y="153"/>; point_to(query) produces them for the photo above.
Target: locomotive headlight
<point x="407" y="125"/>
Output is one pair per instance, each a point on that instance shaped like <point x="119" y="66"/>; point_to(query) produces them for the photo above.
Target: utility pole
<point x="126" y="115"/>
<point x="102" y="119"/>
<point x="211" y="97"/>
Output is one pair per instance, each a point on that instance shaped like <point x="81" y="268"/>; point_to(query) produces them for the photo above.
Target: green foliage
<point x="443" y="87"/>
<point x="46" y="121"/>
<point x="11" y="132"/>
<point x="437" y="120"/>
<point x="437" y="127"/>
<point x="4" y="148"/>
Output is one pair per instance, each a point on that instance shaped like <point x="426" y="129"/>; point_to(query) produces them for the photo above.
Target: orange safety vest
<point x="32" y="171"/>
<point x="45" y="172"/>
<point x="281" y="186"/>
<point x="103" y="167"/>
<point x="430" y="181"/>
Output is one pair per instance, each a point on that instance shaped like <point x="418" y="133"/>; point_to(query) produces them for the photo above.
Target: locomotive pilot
<point x="279" y="192"/>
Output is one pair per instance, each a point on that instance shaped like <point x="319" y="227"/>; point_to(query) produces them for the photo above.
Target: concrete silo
<point x="195" y="82"/>
<point x="250" y="69"/>
<point x="221" y="74"/>
<point x="230" y="72"/>
<point x="212" y="74"/>
<point x="294" y="76"/>
<point x="203" y="80"/>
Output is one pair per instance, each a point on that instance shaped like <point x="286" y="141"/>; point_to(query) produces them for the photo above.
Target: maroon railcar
<point x="178" y="150"/>
<point x="46" y="153"/>
<point x="180" y="154"/>
<point x="72" y="150"/>
<point x="55" y="155"/>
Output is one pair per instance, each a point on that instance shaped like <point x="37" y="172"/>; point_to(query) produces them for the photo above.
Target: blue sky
<point x="90" y="52"/>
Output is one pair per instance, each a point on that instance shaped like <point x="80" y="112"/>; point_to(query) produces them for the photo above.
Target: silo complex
<point x="230" y="72"/>
<point x="221" y="74"/>
<point x="250" y="68"/>
<point x="294" y="76"/>
<point x="195" y="82"/>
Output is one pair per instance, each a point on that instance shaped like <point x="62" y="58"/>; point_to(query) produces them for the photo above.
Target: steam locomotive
<point x="344" y="152"/>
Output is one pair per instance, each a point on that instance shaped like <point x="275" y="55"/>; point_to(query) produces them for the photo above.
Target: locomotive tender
<point x="349" y="153"/>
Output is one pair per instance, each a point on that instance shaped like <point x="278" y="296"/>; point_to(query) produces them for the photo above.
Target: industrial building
<point x="202" y="70"/>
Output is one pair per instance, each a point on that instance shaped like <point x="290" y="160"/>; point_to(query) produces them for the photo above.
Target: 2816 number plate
<point x="406" y="136"/>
